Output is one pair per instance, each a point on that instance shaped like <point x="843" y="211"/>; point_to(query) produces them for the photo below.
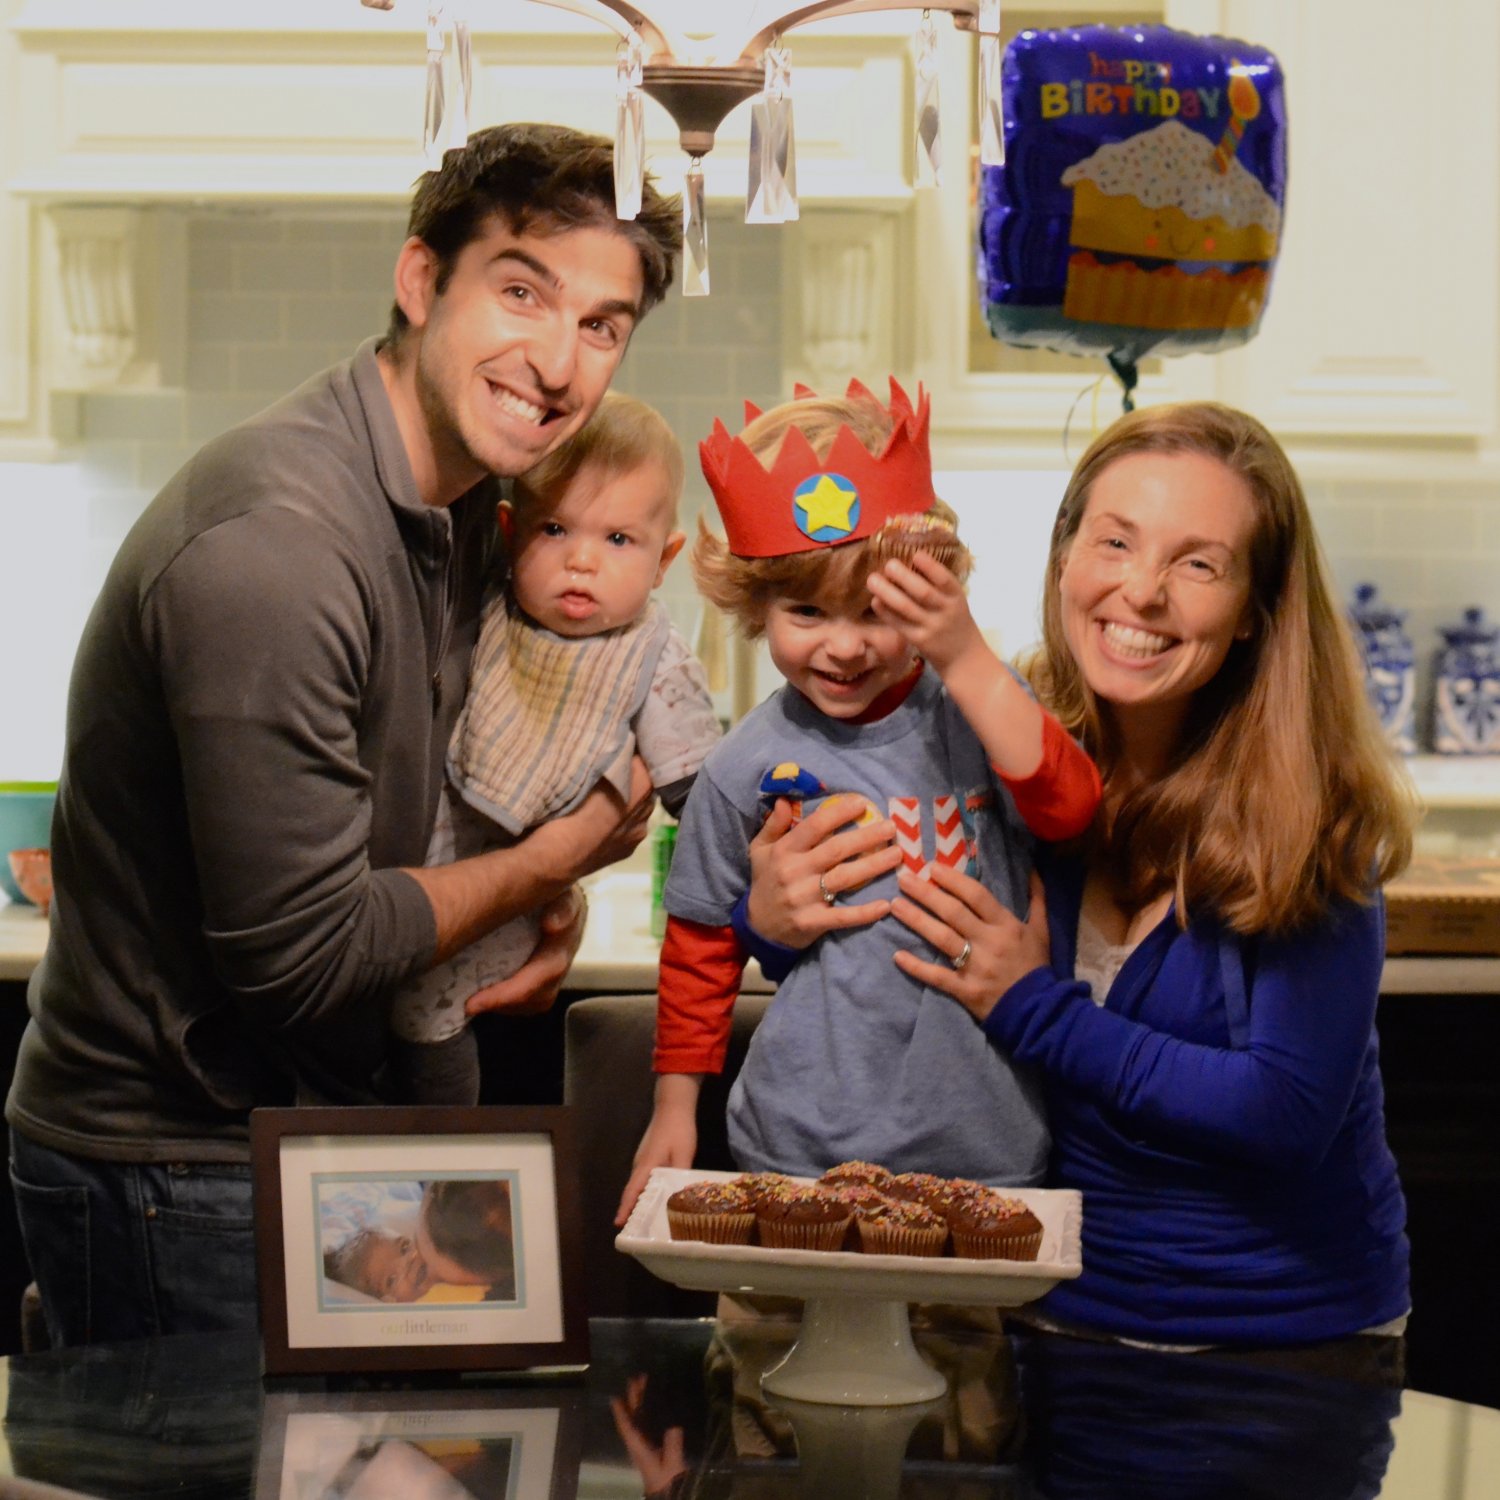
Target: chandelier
<point x="699" y="77"/>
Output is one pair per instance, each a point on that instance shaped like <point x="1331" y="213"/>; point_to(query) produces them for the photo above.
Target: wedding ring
<point x="829" y="897"/>
<point x="963" y="956"/>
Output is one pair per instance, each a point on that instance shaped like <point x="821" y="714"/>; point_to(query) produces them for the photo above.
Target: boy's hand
<point x="670" y="1139"/>
<point x="926" y="603"/>
<point x="792" y="865"/>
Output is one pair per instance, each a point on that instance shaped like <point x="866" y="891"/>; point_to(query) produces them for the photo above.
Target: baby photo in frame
<point x="417" y="1239"/>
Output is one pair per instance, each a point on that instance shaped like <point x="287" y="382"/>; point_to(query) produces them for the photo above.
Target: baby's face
<point x="587" y="562"/>
<point x="392" y="1268"/>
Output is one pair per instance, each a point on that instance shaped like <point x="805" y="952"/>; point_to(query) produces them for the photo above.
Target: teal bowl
<point x="25" y="823"/>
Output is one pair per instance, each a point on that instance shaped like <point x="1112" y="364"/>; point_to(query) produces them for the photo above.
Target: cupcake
<point x="865" y="1201"/>
<point x="918" y="1187"/>
<point x="856" y="1173"/>
<point x="994" y="1227"/>
<point x="718" y="1212"/>
<point x="757" y="1184"/>
<point x="796" y="1216"/>
<point x="897" y="1227"/>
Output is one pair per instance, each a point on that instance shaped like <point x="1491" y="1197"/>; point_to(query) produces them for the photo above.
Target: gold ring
<point x="829" y="897"/>
<point x="963" y="956"/>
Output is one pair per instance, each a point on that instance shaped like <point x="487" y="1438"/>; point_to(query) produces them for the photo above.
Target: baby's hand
<point x="926" y="603"/>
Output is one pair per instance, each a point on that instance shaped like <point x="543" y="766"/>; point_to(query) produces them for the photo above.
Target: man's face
<point x="518" y="349"/>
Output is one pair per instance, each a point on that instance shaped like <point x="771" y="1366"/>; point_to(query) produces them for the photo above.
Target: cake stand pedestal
<point x="854" y="1351"/>
<point x="852" y="1450"/>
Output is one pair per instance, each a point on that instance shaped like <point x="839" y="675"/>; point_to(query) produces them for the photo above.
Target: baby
<point x="380" y="1263"/>
<point x="577" y="669"/>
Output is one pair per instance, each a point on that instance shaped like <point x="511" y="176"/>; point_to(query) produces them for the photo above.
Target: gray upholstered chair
<point x="607" y="1079"/>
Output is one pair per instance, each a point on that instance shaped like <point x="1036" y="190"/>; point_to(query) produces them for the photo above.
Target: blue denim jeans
<point x="124" y="1250"/>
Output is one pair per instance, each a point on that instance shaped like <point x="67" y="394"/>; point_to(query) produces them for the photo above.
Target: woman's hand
<point x="793" y="865"/>
<point x="957" y="915"/>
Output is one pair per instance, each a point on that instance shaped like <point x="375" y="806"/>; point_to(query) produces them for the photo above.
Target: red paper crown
<point x="803" y="502"/>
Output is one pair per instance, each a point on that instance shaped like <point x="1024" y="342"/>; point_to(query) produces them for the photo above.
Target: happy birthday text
<point x="1128" y="86"/>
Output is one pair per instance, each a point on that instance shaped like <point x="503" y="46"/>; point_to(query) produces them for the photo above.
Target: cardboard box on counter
<point x="1444" y="906"/>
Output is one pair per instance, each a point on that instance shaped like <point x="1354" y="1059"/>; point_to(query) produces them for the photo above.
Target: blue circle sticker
<point x="826" y="507"/>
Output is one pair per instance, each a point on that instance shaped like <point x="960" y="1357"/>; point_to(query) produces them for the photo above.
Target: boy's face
<point x="392" y="1268"/>
<point x="835" y="651"/>
<point x="587" y="562"/>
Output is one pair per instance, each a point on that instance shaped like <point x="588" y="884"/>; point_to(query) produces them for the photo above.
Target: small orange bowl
<point x="32" y="871"/>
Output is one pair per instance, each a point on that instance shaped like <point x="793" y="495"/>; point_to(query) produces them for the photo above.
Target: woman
<point x="1197" y="987"/>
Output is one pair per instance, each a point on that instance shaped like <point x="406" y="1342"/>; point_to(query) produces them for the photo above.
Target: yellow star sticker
<point x="827" y="504"/>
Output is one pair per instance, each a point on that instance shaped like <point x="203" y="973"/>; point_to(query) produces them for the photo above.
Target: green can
<point x="663" y="842"/>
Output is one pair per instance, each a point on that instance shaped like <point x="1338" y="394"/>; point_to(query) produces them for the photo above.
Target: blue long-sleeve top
<point x="1223" y="1114"/>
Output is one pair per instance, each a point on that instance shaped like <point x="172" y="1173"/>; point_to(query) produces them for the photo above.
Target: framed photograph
<point x="421" y="1445"/>
<point x="417" y="1239"/>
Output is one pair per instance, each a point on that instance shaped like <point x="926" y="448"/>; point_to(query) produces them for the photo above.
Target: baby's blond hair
<point x="622" y="435"/>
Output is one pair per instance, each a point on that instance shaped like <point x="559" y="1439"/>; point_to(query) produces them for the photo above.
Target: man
<point x="256" y="730"/>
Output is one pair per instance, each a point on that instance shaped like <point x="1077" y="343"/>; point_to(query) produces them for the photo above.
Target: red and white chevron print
<point x="952" y="845"/>
<point x="906" y="814"/>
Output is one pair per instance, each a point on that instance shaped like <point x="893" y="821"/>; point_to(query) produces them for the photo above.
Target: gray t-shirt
<point x="854" y="1060"/>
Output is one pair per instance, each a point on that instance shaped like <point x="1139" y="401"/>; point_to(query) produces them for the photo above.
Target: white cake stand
<point x="855" y="1347"/>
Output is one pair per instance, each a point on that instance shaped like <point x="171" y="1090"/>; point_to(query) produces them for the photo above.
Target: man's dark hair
<point x="469" y="1221"/>
<point x="539" y="179"/>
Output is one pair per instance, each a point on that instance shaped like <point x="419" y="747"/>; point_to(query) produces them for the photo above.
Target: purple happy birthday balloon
<point x="1139" y="210"/>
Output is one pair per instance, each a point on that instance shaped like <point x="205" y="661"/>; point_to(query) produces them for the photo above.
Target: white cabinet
<point x="1383" y="316"/>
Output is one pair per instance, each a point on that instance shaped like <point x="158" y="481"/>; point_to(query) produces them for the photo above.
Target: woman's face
<point x="1155" y="585"/>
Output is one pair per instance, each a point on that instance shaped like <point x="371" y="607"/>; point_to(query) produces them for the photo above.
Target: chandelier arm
<point x="965" y="15"/>
<point x="622" y="18"/>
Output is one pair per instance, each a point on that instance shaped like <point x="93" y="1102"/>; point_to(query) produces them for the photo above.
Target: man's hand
<point x="534" y="987"/>
<point x="600" y="831"/>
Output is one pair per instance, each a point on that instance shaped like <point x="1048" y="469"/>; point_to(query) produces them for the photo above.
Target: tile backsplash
<point x="276" y="296"/>
<point x="273" y="298"/>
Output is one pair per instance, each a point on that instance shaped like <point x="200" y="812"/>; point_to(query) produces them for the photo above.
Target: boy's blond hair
<point x="745" y="587"/>
<point x="622" y="435"/>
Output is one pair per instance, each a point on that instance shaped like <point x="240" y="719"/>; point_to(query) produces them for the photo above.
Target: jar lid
<point x="1369" y="612"/>
<point x="1473" y="630"/>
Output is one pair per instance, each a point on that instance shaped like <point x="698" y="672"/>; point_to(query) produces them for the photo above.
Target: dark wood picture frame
<point x="519" y="1442"/>
<point x="313" y="1168"/>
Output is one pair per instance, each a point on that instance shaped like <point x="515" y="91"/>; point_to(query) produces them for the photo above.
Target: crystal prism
<point x="694" y="232"/>
<point x="463" y="111"/>
<point x="929" y="118"/>
<point x="991" y="103"/>
<point x="432" y="116"/>
<point x="771" y="196"/>
<point x="630" y="127"/>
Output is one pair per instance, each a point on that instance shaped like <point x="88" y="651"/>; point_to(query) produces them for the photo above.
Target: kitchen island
<point x="1439" y="1032"/>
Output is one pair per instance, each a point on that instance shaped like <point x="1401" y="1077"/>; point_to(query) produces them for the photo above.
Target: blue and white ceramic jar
<point x="1390" y="665"/>
<point x="1466" y="694"/>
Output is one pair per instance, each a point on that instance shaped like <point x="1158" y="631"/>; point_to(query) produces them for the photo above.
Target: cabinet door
<point x="1383" y="313"/>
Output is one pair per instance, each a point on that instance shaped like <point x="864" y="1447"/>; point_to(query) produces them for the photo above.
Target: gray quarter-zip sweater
<point x="257" y="723"/>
